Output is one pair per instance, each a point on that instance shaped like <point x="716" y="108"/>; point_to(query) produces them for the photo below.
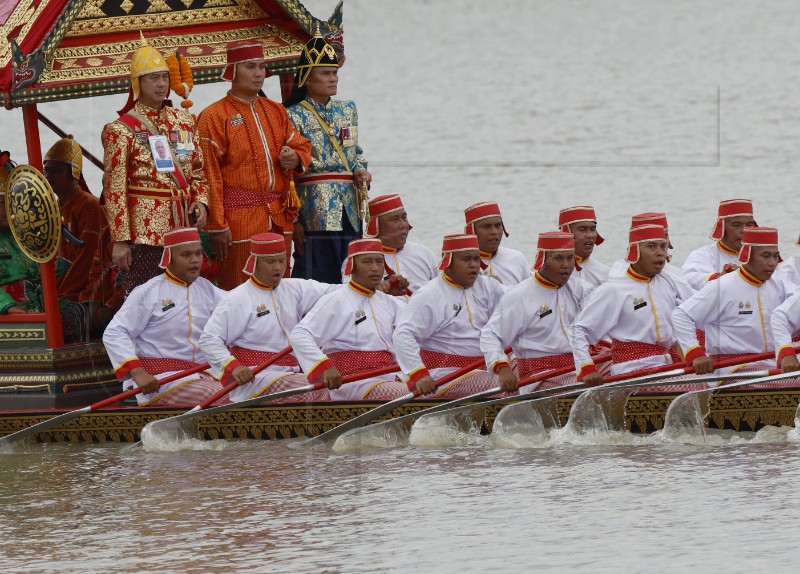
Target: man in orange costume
<point x="81" y="214"/>
<point x="252" y="152"/>
<point x="142" y="203"/>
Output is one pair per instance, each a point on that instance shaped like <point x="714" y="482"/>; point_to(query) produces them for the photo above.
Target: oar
<point x="382" y="429"/>
<point x="599" y="405"/>
<point x="685" y="412"/>
<point x="196" y="413"/>
<point x="166" y="426"/>
<point x="62" y="418"/>
<point x="643" y="377"/>
<point x="370" y="415"/>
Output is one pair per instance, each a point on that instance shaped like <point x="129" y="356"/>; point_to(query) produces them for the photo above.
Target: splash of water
<point x="520" y="426"/>
<point x="685" y="419"/>
<point x="598" y="412"/>
<point x="448" y="429"/>
<point x="386" y="435"/>
<point x="173" y="436"/>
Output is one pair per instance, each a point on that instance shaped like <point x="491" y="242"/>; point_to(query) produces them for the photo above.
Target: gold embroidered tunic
<point x="141" y="203"/>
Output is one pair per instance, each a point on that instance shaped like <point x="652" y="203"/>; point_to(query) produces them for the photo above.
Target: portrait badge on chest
<point x="361" y="316"/>
<point x="638" y="303"/>
<point x="262" y="310"/>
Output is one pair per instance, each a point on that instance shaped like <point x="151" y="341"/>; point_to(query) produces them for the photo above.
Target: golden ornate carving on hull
<point x="743" y="411"/>
<point x="22" y="335"/>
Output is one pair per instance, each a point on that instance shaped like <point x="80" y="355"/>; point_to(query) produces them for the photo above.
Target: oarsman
<point x="329" y="190"/>
<point x="620" y="266"/>
<point x="789" y="269"/>
<point x="143" y="201"/>
<point x="504" y="264"/>
<point x="581" y="221"/>
<point x="251" y="152"/>
<point x="439" y="330"/>
<point x="350" y="331"/>
<point x="388" y="221"/>
<point x="81" y="214"/>
<point x="634" y="310"/>
<point x="735" y="310"/>
<point x="711" y="261"/>
<point x="253" y="323"/>
<point x="785" y="323"/>
<point x="534" y="318"/>
<point x="157" y="331"/>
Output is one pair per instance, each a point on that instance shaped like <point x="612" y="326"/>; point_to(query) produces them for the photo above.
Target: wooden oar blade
<point x="8" y="442"/>
<point x="387" y="434"/>
<point x="359" y="421"/>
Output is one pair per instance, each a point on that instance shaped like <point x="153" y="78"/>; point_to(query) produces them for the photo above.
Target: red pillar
<point x="55" y="332"/>
<point x="287" y="80"/>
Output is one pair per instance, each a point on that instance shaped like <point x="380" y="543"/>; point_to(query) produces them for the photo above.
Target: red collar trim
<point x="261" y="285"/>
<point x="637" y="276"/>
<point x="450" y="282"/>
<point x="387" y="249"/>
<point x="546" y="283"/>
<point x="725" y="249"/>
<point x="580" y="260"/>
<point x="172" y="277"/>
<point x="749" y="277"/>
<point x="360" y="289"/>
<point x="487" y="255"/>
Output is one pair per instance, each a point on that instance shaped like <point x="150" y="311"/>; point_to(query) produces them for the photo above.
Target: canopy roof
<point x="61" y="49"/>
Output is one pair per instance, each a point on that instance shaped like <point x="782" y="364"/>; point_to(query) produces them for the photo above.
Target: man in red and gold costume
<point x="143" y="198"/>
<point x="252" y="151"/>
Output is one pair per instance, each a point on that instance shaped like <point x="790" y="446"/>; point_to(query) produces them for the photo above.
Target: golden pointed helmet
<point x="317" y="53"/>
<point x="145" y="60"/>
<point x="67" y="151"/>
<point x="6" y="165"/>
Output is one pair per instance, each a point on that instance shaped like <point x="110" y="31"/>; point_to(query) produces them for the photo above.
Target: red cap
<point x="552" y="241"/>
<point x="453" y="243"/>
<point x="756" y="237"/>
<point x="481" y="211"/>
<point x="178" y="236"/>
<point x="263" y="244"/>
<point x="651" y="218"/>
<point x="640" y="234"/>
<point x="378" y="206"/>
<point x="570" y="215"/>
<point x="239" y="52"/>
<point x="359" y="247"/>
<point x="730" y="208"/>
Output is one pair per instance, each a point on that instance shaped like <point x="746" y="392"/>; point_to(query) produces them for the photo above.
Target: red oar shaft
<point x="136" y="390"/>
<point x="232" y="385"/>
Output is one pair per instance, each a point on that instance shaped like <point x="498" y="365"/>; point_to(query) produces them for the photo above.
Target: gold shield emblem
<point x="33" y="213"/>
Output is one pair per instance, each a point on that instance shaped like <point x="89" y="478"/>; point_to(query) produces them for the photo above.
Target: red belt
<point x="624" y="351"/>
<point x="436" y="360"/>
<point x="306" y="179"/>
<point x="252" y="357"/>
<point x="528" y="367"/>
<point x="158" y="365"/>
<point x="354" y="362"/>
<point x="238" y="198"/>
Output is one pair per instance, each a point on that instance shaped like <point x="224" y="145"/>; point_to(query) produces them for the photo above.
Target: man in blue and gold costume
<point x="333" y="190"/>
